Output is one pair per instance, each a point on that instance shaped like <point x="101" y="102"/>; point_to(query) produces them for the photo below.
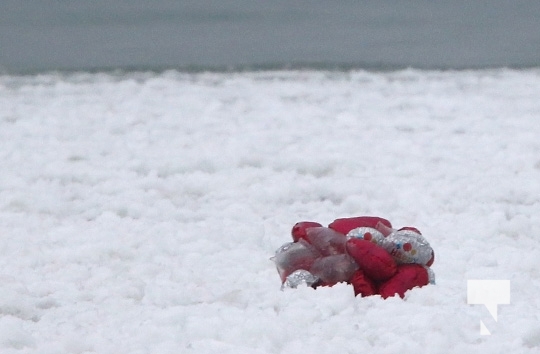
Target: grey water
<point x="90" y="35"/>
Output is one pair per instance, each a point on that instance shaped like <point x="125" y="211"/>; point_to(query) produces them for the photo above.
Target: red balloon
<point x="299" y="229"/>
<point x="376" y="263"/>
<point x="362" y="285"/>
<point x="344" y="225"/>
<point x="407" y="277"/>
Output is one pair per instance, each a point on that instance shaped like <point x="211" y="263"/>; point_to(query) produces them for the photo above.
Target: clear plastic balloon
<point x="327" y="241"/>
<point x="334" y="269"/>
<point x="293" y="256"/>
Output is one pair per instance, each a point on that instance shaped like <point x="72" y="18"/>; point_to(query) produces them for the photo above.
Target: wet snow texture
<point x="138" y="212"/>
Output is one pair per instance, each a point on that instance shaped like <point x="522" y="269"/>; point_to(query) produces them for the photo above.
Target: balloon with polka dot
<point x="365" y="252"/>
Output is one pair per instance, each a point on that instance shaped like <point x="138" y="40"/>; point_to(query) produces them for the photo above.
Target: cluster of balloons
<point x="364" y="251"/>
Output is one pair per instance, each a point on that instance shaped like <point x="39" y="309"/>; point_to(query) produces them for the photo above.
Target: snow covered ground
<point x="138" y="212"/>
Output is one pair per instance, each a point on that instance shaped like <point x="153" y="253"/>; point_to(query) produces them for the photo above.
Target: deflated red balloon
<point x="371" y="258"/>
<point x="344" y="225"/>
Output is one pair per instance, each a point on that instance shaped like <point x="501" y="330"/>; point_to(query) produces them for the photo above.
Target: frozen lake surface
<point x="138" y="212"/>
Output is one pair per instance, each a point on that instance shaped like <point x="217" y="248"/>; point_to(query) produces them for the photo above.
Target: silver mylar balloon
<point x="431" y="275"/>
<point x="299" y="277"/>
<point x="407" y="246"/>
<point x="368" y="234"/>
